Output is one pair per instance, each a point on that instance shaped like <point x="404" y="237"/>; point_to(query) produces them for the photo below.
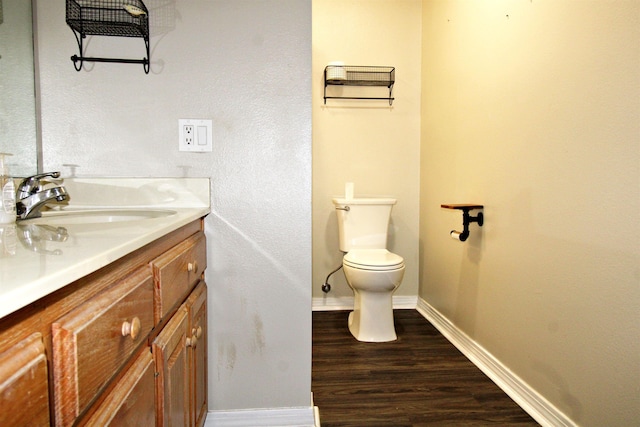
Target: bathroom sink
<point x="98" y="216"/>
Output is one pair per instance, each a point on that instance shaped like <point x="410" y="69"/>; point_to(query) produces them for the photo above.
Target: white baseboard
<point x="531" y="401"/>
<point x="346" y="303"/>
<point x="272" y="417"/>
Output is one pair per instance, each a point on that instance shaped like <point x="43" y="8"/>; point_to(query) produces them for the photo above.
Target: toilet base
<point x="372" y="318"/>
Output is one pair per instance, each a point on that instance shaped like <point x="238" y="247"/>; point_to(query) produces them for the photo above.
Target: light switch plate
<point x="195" y="135"/>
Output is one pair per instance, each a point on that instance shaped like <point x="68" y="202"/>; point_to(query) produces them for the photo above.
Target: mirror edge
<point x="36" y="84"/>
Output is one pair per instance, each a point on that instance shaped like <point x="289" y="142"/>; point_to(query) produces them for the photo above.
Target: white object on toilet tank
<point x="365" y="224"/>
<point x="348" y="190"/>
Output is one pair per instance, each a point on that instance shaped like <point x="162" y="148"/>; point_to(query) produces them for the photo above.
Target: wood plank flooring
<point x="419" y="380"/>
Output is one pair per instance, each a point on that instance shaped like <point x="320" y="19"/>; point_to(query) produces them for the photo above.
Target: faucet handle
<point x="41" y="176"/>
<point x="32" y="184"/>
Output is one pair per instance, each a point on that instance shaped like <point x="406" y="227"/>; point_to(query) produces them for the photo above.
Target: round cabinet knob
<point x="199" y="332"/>
<point x="192" y="266"/>
<point x="192" y="341"/>
<point x="131" y="328"/>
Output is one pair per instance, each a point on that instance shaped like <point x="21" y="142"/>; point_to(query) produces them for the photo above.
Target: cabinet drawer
<point x="176" y="272"/>
<point x="93" y="341"/>
<point x="132" y="401"/>
<point x="24" y="394"/>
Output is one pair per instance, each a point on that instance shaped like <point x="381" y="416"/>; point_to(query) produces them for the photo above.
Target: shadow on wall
<point x="468" y="282"/>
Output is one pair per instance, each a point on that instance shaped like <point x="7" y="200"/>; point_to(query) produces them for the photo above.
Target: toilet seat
<point x="373" y="259"/>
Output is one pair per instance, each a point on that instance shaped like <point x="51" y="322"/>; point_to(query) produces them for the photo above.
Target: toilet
<point x="371" y="270"/>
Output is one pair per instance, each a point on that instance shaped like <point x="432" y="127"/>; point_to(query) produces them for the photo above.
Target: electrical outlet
<point x="187" y="135"/>
<point x="195" y="135"/>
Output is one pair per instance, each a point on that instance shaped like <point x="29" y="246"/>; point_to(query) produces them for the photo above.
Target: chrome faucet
<point x="32" y="196"/>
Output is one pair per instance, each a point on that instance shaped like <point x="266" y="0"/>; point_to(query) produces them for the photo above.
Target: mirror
<point x="18" y="131"/>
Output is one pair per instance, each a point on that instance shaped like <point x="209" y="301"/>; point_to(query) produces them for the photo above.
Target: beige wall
<point x="366" y="142"/>
<point x="533" y="109"/>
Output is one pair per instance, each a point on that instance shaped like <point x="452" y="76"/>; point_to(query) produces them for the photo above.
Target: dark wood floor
<point x="419" y="380"/>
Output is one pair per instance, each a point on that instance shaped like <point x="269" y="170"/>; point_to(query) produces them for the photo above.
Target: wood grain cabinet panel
<point x="93" y="342"/>
<point x="172" y="364"/>
<point x="176" y="272"/>
<point x="197" y="306"/>
<point x="123" y="346"/>
<point x="24" y="395"/>
<point x="132" y="402"/>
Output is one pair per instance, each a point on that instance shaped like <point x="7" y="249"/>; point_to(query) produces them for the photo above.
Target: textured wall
<point x="532" y="108"/>
<point x="246" y="65"/>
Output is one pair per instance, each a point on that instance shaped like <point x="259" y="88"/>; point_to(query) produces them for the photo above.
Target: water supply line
<point x="326" y="287"/>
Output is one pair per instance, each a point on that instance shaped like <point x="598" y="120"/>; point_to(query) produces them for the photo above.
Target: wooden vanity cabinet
<point x="24" y="398"/>
<point x="118" y="347"/>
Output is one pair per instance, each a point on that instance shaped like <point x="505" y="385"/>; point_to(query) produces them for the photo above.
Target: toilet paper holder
<point x="466" y="218"/>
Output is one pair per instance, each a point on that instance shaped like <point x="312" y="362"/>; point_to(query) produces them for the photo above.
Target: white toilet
<point x="371" y="270"/>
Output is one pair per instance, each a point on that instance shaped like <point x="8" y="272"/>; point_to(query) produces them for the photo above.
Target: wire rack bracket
<point x="119" y="18"/>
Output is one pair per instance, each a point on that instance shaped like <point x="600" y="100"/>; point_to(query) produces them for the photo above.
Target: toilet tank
<point x="365" y="224"/>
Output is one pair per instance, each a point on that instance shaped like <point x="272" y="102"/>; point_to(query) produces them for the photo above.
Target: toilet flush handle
<point x="343" y="208"/>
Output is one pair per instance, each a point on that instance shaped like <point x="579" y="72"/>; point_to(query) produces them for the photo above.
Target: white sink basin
<point x="99" y="216"/>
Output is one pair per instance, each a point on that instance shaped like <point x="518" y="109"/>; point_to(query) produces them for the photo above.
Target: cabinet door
<point x="24" y="396"/>
<point x="197" y="306"/>
<point x="132" y="401"/>
<point x="172" y="364"/>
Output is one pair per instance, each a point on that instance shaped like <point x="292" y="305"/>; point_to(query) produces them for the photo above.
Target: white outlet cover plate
<point x="201" y="140"/>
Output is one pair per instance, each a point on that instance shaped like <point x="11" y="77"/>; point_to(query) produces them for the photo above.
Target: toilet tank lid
<point x="364" y="201"/>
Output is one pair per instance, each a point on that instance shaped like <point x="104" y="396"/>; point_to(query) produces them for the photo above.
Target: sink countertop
<point x="38" y="259"/>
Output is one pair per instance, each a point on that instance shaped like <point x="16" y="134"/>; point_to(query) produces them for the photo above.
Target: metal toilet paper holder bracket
<point x="466" y="218"/>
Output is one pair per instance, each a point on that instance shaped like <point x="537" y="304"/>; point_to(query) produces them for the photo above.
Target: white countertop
<point x="37" y="259"/>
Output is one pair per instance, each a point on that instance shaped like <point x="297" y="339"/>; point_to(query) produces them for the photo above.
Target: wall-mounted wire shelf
<point x="120" y="18"/>
<point x="352" y="75"/>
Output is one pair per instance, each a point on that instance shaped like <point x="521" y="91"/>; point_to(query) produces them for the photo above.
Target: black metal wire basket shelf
<point x="352" y="75"/>
<point x="119" y="18"/>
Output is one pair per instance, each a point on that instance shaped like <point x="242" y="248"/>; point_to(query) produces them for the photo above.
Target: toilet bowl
<point x="373" y="275"/>
<point x="371" y="270"/>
